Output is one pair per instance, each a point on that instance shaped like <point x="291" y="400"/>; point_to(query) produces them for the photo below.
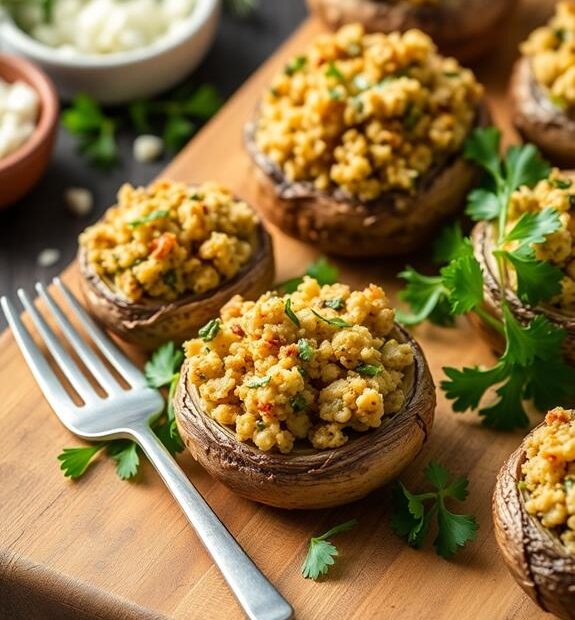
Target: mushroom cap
<point x="538" y="561"/>
<point x="309" y="478"/>
<point x="467" y="30"/>
<point x="151" y="322"/>
<point x="482" y="240"/>
<point x="538" y="120"/>
<point x="397" y="223"/>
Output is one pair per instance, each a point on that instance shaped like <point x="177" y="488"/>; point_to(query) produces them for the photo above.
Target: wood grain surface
<point x="103" y="548"/>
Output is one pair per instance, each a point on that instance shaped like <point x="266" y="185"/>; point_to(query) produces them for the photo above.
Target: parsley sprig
<point x="531" y="368"/>
<point x="163" y="369"/>
<point x="322" y="552"/>
<point x="413" y="514"/>
<point x="176" y="117"/>
<point x="322" y="270"/>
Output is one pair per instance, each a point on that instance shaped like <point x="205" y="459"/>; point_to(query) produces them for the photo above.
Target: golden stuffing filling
<point x="312" y="366"/>
<point x="557" y="193"/>
<point x="551" y="49"/>
<point x="367" y="113"/>
<point x="549" y="475"/>
<point x="169" y="239"/>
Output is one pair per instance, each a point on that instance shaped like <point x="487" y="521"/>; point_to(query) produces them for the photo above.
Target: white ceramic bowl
<point x="123" y="76"/>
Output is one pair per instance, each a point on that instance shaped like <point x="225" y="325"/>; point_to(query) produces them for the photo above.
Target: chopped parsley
<point x="292" y="316"/>
<point x="256" y="382"/>
<point x="210" y="330"/>
<point x="305" y="350"/>
<point x="151" y="217"/>
<point x="369" y="370"/>
<point x="295" y="64"/>
<point x="335" y="322"/>
<point x="321" y="552"/>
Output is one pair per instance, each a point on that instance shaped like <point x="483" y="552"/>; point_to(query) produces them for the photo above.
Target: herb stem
<point x="490" y="319"/>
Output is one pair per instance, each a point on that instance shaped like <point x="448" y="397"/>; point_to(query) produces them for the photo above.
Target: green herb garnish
<point x="292" y="316"/>
<point x="298" y="403"/>
<point x="336" y="303"/>
<point x="151" y="217"/>
<point x="369" y="370"/>
<point x="256" y="382"/>
<point x="335" y="322"/>
<point x="321" y="552"/>
<point x="333" y="71"/>
<point x="413" y="514"/>
<point x="532" y="367"/>
<point x="321" y="270"/>
<point x="295" y="64"/>
<point x="305" y="350"/>
<point x="210" y="330"/>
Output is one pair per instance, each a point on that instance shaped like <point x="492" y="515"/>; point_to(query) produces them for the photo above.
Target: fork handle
<point x="258" y="597"/>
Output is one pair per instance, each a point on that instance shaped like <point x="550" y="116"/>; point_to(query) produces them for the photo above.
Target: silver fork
<point x="127" y="413"/>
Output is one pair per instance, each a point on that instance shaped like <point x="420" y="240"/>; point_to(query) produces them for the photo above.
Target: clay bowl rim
<point x="49" y="107"/>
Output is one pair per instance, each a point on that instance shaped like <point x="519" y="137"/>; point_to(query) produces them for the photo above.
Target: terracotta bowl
<point x="22" y="169"/>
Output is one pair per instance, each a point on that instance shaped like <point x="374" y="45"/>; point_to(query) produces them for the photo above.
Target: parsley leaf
<point x="75" y="461"/>
<point x="305" y="350"/>
<point x="464" y="280"/>
<point x="210" y="330"/>
<point x="427" y="297"/>
<point x="482" y="147"/>
<point x="411" y="518"/>
<point x="151" y="217"/>
<point x="334" y="322"/>
<point x="292" y="316"/>
<point x="298" y="403"/>
<point x="333" y="71"/>
<point x="451" y="244"/>
<point x="321" y="552"/>
<point x="534" y="227"/>
<point x="256" y="382"/>
<point x="524" y="166"/>
<point x="369" y="370"/>
<point x="336" y="303"/>
<point x="483" y="204"/>
<point x="295" y="64"/>
<point x="164" y="363"/>
<point x="125" y="453"/>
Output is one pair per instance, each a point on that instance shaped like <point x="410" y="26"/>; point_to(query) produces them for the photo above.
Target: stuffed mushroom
<point x="542" y="87"/>
<point x="306" y="400"/>
<point x="466" y="29"/>
<point x="534" y="514"/>
<point x="158" y="262"/>
<point x="358" y="142"/>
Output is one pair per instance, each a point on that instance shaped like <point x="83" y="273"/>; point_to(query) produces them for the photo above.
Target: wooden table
<point x="105" y="548"/>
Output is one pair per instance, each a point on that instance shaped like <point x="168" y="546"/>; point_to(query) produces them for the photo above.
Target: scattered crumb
<point x="48" y="257"/>
<point x="147" y="148"/>
<point x="79" y="200"/>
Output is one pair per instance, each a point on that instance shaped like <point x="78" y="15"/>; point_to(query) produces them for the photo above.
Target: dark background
<point x="42" y="220"/>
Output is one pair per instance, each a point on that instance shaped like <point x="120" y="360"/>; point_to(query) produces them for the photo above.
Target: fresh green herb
<point x="298" y="403"/>
<point x="175" y="117"/>
<point x="305" y="350"/>
<point x="163" y="365"/>
<point x="336" y="303"/>
<point x="522" y="485"/>
<point x="256" y="382"/>
<point x="334" y="322"/>
<point x="241" y="8"/>
<point x="321" y="552"/>
<point x="451" y="74"/>
<point x="411" y="518"/>
<point x="530" y="368"/>
<point x="333" y="71"/>
<point x="210" y="330"/>
<point x="412" y="117"/>
<point x="562" y="183"/>
<point x="292" y="316"/>
<point x="295" y="64"/>
<point x="161" y="370"/>
<point x="261" y="425"/>
<point x="151" y="217"/>
<point x="369" y="370"/>
<point x="95" y="131"/>
<point x="322" y="270"/>
<point x="569" y="484"/>
<point x="170" y="279"/>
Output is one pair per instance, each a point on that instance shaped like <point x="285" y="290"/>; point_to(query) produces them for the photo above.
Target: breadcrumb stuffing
<point x="549" y="474"/>
<point x="277" y="380"/>
<point x="367" y="113"/>
<point x="169" y="239"/>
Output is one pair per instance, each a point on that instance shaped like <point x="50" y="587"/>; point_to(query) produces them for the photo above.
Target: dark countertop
<point x="42" y="220"/>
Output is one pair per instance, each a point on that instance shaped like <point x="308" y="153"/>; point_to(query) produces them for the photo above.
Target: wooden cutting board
<point x="100" y="547"/>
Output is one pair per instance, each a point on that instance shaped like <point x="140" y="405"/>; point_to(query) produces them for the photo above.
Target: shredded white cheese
<point x="103" y="26"/>
<point x="19" y="105"/>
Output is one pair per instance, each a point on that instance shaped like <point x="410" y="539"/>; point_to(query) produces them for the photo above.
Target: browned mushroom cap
<point x="397" y="223"/>
<point x="466" y="30"/>
<point x="538" y="120"/>
<point x="150" y="323"/>
<point x="482" y="240"/>
<point x="308" y="478"/>
<point x="538" y="561"/>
